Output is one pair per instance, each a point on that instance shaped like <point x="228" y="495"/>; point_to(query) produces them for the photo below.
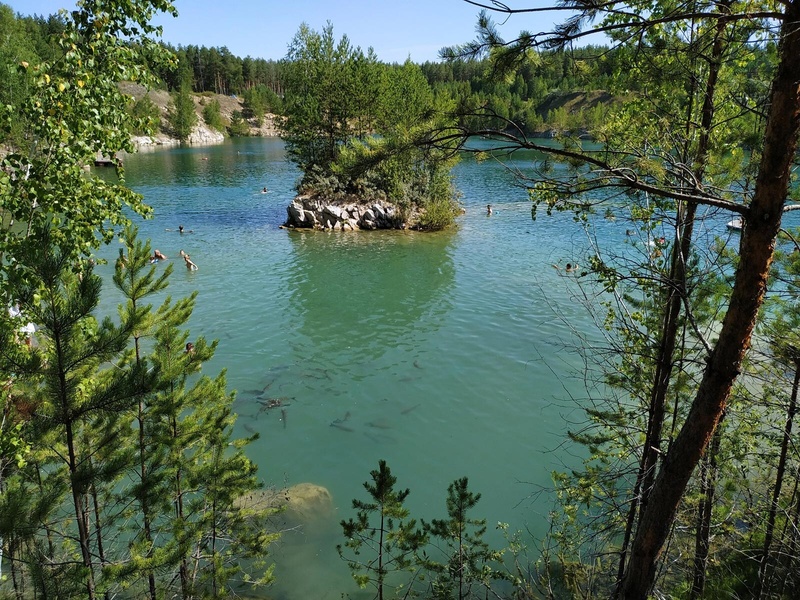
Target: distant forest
<point x="526" y="100"/>
<point x="550" y="90"/>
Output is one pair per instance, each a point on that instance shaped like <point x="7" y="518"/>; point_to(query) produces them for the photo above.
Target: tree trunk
<point x="144" y="503"/>
<point x="80" y="513"/>
<point x="791" y="556"/>
<point x="763" y="583"/>
<point x="681" y="248"/>
<point x="183" y="569"/>
<point x="98" y="527"/>
<point x="762" y="222"/>
<point x="708" y="485"/>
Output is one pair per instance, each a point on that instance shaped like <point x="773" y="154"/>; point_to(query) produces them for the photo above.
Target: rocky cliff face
<point x="202" y="134"/>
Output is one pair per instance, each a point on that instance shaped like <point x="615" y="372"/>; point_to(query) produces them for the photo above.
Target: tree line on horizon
<point x="532" y="98"/>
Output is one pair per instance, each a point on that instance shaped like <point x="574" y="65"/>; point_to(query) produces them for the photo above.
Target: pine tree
<point x="388" y="546"/>
<point x="85" y="390"/>
<point x="135" y="277"/>
<point x="190" y="472"/>
<point x="181" y="115"/>
<point x="460" y="540"/>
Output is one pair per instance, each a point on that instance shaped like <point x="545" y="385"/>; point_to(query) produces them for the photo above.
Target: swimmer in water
<point x="189" y="264"/>
<point x="488" y="210"/>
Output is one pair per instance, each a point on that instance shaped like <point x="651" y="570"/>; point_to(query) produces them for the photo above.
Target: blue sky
<point x="263" y="29"/>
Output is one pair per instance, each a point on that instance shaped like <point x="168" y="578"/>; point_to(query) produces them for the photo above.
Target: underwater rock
<point x="301" y="503"/>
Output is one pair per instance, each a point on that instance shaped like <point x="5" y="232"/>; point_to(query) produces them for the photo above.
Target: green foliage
<point x="146" y="116"/>
<point x="381" y="540"/>
<point x="320" y="110"/>
<point x="534" y="91"/>
<point x="466" y="571"/>
<point x="212" y="115"/>
<point x="103" y="439"/>
<point x="181" y="114"/>
<point x="73" y="110"/>
<point x="18" y="49"/>
<point x="83" y="391"/>
<point x="191" y="473"/>
<point x="238" y="126"/>
<point x="775" y="507"/>
<point x="349" y="118"/>
<point x="439" y="206"/>
<point x="628" y="524"/>
<point x="108" y="422"/>
<point x="446" y="558"/>
<point x="258" y="100"/>
<point x="394" y="167"/>
<point x="218" y="71"/>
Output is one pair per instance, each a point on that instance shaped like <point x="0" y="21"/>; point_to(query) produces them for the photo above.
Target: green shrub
<point x="212" y="115"/>
<point x="181" y="116"/>
<point x="238" y="126"/>
<point x="146" y="116"/>
<point x="438" y="214"/>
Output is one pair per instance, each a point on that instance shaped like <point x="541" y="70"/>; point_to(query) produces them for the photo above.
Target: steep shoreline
<point x="201" y="134"/>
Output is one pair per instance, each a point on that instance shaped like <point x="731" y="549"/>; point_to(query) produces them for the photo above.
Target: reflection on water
<point x="368" y="292"/>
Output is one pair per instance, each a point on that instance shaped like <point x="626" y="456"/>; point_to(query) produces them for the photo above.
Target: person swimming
<point x="569" y="267"/>
<point x="488" y="210"/>
<point x="264" y="191"/>
<point x="189" y="264"/>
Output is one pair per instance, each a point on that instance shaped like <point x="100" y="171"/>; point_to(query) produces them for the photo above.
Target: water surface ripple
<point x="442" y="351"/>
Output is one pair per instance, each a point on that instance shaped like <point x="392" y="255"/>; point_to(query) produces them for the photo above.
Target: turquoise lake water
<point x="447" y="354"/>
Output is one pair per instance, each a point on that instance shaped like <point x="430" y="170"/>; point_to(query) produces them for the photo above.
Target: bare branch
<point x="607" y="174"/>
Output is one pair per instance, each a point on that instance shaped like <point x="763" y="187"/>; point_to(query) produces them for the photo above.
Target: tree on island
<point x="683" y="154"/>
<point x="352" y="125"/>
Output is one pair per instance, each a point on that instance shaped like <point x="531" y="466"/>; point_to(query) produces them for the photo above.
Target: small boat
<point x="735" y="225"/>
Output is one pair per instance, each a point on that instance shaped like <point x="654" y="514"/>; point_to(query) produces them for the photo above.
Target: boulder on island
<point x="317" y="213"/>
